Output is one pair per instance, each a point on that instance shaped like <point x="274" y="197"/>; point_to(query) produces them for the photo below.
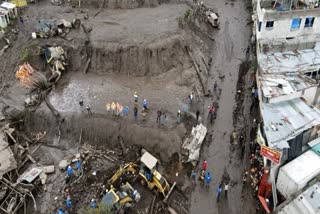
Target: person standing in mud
<point x="135" y="113"/>
<point x="191" y="98"/>
<point x="89" y="109"/>
<point x="219" y="190"/>
<point x="197" y="115"/>
<point x="226" y="189"/>
<point x="204" y="165"/>
<point x="193" y="177"/>
<point x="179" y="117"/>
<point x="159" y="113"/>
<point x="69" y="203"/>
<point x="215" y="85"/>
<point x="81" y="105"/>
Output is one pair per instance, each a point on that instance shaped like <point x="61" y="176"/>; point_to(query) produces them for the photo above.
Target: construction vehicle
<point x="123" y="199"/>
<point x="146" y="172"/>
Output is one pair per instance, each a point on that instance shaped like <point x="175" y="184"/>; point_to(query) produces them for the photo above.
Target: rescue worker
<point x="219" y="190"/>
<point x="191" y="98"/>
<point x="81" y="105"/>
<point x="79" y="166"/>
<point x="145" y="104"/>
<point x="69" y="202"/>
<point x="226" y="188"/>
<point x="159" y="113"/>
<point x="135" y="113"/>
<point x="215" y="85"/>
<point x="88" y="109"/>
<point x="179" y="117"/>
<point x="69" y="171"/>
<point x="201" y="177"/>
<point x="197" y="115"/>
<point x="204" y="165"/>
<point x="135" y="96"/>
<point x="60" y="211"/>
<point x="93" y="204"/>
<point x="193" y="177"/>
<point x="126" y="111"/>
<point x="207" y="179"/>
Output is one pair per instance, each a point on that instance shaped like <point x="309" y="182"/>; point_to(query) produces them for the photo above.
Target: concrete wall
<point x="282" y="29"/>
<point x="282" y="23"/>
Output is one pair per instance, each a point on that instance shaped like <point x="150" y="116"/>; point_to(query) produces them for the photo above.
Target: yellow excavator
<point x="122" y="199"/>
<point x="147" y="173"/>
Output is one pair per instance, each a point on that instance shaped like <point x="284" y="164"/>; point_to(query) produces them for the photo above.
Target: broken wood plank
<point x="85" y="69"/>
<point x="31" y="159"/>
<point x="169" y="193"/>
<point x="152" y="204"/>
<point x="205" y="64"/>
<point x="9" y="134"/>
<point x="201" y="79"/>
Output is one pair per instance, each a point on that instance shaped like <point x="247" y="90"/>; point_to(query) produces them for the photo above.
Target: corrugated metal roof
<point x="291" y="61"/>
<point x="306" y="203"/>
<point x="284" y="120"/>
<point x="315" y="145"/>
<point x="289" y="83"/>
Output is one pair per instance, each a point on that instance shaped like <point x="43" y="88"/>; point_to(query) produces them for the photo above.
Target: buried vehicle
<point x="147" y="173"/>
<point x="213" y="19"/>
<point x="56" y="58"/>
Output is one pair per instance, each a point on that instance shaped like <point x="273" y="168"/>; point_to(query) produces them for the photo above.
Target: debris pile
<point x="53" y="28"/>
<point x="17" y="180"/>
<point x="192" y="144"/>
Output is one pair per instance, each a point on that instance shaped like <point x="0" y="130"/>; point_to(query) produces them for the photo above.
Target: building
<point x="307" y="202"/>
<point x="4" y="18"/>
<point x="287" y="35"/>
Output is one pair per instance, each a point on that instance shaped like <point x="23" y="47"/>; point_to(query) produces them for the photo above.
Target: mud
<point x="154" y="58"/>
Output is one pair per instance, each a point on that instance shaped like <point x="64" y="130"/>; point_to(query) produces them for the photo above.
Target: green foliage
<point x="25" y="55"/>
<point x="186" y="18"/>
<point x="254" y="64"/>
<point x="101" y="209"/>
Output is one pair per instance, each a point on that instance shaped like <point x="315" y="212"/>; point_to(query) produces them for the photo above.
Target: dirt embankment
<point x="101" y="130"/>
<point x="120" y="4"/>
<point x="133" y="60"/>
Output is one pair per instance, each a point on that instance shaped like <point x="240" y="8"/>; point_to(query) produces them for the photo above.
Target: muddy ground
<point x="135" y="47"/>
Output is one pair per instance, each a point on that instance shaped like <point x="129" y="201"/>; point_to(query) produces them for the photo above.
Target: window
<point x="309" y="22"/>
<point x="259" y="26"/>
<point x="269" y="24"/>
<point x="295" y="24"/>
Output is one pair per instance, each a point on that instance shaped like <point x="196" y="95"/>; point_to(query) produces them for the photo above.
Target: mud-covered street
<point x="229" y="52"/>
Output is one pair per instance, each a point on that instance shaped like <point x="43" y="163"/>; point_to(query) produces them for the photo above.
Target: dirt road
<point x="229" y="52"/>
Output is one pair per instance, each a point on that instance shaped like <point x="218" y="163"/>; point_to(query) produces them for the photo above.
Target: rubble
<point x="192" y="144"/>
<point x="53" y="28"/>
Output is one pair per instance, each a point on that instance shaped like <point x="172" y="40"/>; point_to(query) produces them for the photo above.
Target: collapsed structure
<point x="288" y="57"/>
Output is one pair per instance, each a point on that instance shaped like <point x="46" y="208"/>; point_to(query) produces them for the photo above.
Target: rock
<point x="48" y="169"/>
<point x="63" y="164"/>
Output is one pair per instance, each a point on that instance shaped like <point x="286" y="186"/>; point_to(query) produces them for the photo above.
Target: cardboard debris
<point x="7" y="159"/>
<point x="30" y="175"/>
<point x="192" y="145"/>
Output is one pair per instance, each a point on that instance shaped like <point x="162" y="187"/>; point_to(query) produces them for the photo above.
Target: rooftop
<point x="307" y="202"/>
<point x="288" y="5"/>
<point x="8" y="5"/>
<point x="306" y="60"/>
<point x="285" y="120"/>
<point x="275" y="85"/>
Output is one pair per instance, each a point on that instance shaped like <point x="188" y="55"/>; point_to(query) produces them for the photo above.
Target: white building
<point x="307" y="202"/>
<point x="287" y="20"/>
